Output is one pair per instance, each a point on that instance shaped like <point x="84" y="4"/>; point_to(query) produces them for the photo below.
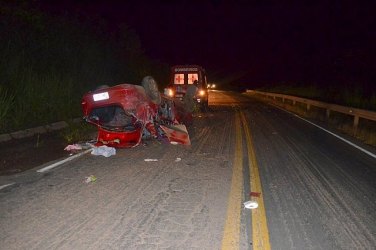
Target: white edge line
<point x="7" y="185"/>
<point x="63" y="161"/>
<point x="335" y="135"/>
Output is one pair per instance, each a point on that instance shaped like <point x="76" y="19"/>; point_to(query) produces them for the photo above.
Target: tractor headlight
<point x="169" y="92"/>
<point x="201" y="93"/>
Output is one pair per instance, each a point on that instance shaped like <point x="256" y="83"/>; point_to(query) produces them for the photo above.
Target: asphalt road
<point x="314" y="191"/>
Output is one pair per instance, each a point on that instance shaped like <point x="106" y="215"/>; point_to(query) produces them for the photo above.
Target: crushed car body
<point x="126" y="113"/>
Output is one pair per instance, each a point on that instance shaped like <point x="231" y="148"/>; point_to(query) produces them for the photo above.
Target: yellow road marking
<point x="231" y="234"/>
<point x="260" y="231"/>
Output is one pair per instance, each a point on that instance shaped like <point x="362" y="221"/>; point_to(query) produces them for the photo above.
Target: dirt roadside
<point x="19" y="155"/>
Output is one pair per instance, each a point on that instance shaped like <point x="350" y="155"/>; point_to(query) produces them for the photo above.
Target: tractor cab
<point x="184" y="77"/>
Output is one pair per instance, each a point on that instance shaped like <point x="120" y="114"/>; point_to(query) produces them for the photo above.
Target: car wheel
<point x="151" y="89"/>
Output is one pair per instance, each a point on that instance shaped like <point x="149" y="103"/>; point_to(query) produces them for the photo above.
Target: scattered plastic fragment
<point x="250" y="204"/>
<point x="73" y="147"/>
<point x="150" y="159"/>
<point x="255" y="194"/>
<point x="90" y="178"/>
<point x="103" y="150"/>
<point x="174" y="143"/>
<point x="177" y="159"/>
<point x="87" y="145"/>
<point x="177" y="134"/>
<point x="79" y="146"/>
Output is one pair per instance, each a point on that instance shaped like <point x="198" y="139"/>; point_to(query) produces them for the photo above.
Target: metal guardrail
<point x="356" y="113"/>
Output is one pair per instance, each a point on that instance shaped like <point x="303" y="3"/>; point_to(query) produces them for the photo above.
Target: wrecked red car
<point x="127" y="113"/>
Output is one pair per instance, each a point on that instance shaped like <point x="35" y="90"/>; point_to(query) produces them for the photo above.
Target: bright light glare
<point x="201" y="92"/>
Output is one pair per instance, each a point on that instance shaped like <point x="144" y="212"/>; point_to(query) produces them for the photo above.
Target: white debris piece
<point x="150" y="159"/>
<point x="103" y="150"/>
<point x="90" y="178"/>
<point x="250" y="204"/>
<point x="177" y="159"/>
<point x="73" y="147"/>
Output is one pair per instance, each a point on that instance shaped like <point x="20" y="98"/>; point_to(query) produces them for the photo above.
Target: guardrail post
<point x="355" y="126"/>
<point x="327" y="114"/>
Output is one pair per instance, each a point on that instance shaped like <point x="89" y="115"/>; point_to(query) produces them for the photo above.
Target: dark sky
<point x="251" y="40"/>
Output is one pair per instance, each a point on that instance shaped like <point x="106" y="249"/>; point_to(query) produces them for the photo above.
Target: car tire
<point x="151" y="89"/>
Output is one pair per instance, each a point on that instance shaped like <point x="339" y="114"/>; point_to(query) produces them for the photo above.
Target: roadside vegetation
<point x="47" y="63"/>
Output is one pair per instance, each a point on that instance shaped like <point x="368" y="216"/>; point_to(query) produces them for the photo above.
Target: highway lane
<point x="317" y="192"/>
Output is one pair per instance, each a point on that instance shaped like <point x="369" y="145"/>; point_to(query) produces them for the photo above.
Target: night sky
<point x="252" y="42"/>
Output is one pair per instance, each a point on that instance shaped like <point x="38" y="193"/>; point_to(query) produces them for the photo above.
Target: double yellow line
<point x="260" y="232"/>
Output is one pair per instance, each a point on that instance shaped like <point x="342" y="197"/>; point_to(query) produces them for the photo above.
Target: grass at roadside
<point x="48" y="62"/>
<point x="78" y="132"/>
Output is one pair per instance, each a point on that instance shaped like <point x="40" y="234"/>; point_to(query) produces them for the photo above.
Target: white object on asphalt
<point x="90" y="178"/>
<point x="177" y="159"/>
<point x="103" y="150"/>
<point x="174" y="143"/>
<point x="73" y="147"/>
<point x="250" y="204"/>
<point x="150" y="159"/>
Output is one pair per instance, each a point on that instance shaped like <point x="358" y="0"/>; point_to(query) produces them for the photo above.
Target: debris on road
<point x="148" y="160"/>
<point x="90" y="178"/>
<point x="177" y="134"/>
<point x="255" y="194"/>
<point x="177" y="159"/>
<point x="73" y="147"/>
<point x="104" y="151"/>
<point x="78" y="146"/>
<point x="250" y="204"/>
